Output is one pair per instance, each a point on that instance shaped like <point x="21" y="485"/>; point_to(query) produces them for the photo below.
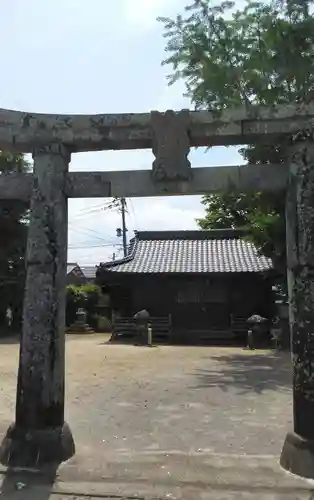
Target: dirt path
<point x="154" y="418"/>
<point x="176" y="398"/>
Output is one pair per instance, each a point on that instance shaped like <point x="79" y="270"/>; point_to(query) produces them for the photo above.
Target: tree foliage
<point x="13" y="230"/>
<point x="261" y="54"/>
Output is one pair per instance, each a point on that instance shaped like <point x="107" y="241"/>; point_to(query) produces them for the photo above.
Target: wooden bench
<point x="125" y="328"/>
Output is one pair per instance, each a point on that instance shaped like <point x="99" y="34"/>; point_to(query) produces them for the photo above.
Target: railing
<point x="126" y="328"/>
<point x="238" y="325"/>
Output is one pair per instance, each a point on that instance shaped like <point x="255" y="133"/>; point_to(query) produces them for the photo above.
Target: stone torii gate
<point x="39" y="434"/>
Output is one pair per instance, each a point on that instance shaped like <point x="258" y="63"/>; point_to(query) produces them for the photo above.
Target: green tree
<point x="261" y="54"/>
<point x="13" y="230"/>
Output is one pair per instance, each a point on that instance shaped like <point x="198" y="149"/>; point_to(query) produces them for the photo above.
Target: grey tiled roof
<point x="71" y="266"/>
<point x="219" y="251"/>
<point x="89" y="271"/>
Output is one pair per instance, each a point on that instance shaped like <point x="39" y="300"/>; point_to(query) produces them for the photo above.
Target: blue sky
<point x="96" y="56"/>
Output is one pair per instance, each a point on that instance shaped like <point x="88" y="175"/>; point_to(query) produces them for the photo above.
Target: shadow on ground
<point x="253" y="372"/>
<point x="23" y="485"/>
<point x="9" y="339"/>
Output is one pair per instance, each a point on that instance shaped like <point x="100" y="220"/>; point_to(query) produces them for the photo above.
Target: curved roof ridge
<point x="123" y="260"/>
<point x="194" y="234"/>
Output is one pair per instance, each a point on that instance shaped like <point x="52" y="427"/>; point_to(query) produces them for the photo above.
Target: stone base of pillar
<point x="36" y="448"/>
<point x="297" y="455"/>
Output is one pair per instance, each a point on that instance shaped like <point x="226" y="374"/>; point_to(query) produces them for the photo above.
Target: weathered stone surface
<point x="23" y="131"/>
<point x="139" y="183"/>
<point x="40" y="391"/>
<point x="300" y="260"/>
<point x="94" y="184"/>
<point x="36" y="447"/>
<point x="171" y="145"/>
<point x="298" y="455"/>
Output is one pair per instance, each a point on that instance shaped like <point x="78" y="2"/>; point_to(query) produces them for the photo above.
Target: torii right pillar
<point x="298" y="451"/>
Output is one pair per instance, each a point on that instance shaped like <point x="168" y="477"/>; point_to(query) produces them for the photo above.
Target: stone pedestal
<point x="298" y="455"/>
<point x="39" y="434"/>
<point x="80" y="325"/>
<point x="298" y="451"/>
<point x="38" y="447"/>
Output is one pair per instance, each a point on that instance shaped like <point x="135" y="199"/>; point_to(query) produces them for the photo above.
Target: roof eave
<point x="107" y="273"/>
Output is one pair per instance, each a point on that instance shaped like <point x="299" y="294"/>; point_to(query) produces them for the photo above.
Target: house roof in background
<point x="192" y="252"/>
<point x="71" y="266"/>
<point x="89" y="271"/>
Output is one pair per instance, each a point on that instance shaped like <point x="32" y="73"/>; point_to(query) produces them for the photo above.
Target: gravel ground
<point x="165" y="422"/>
<point x="124" y="398"/>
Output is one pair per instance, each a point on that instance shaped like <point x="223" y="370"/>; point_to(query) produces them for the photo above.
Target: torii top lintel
<point x="24" y="131"/>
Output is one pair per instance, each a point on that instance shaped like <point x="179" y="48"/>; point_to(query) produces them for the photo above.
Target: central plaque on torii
<point x="171" y="145"/>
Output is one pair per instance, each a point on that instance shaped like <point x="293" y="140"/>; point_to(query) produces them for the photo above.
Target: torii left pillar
<point x="39" y="436"/>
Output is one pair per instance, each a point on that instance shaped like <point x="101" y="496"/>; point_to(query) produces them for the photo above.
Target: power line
<point x="92" y="242"/>
<point x="119" y="204"/>
<point x="86" y="231"/>
<point x="94" y="246"/>
<point x="92" y="211"/>
<point x="97" y="206"/>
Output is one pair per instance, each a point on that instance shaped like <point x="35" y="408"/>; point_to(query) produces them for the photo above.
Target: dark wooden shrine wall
<point x="193" y="298"/>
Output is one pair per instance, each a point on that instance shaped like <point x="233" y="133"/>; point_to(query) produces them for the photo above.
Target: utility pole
<point x="124" y="229"/>
<point x="122" y="232"/>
